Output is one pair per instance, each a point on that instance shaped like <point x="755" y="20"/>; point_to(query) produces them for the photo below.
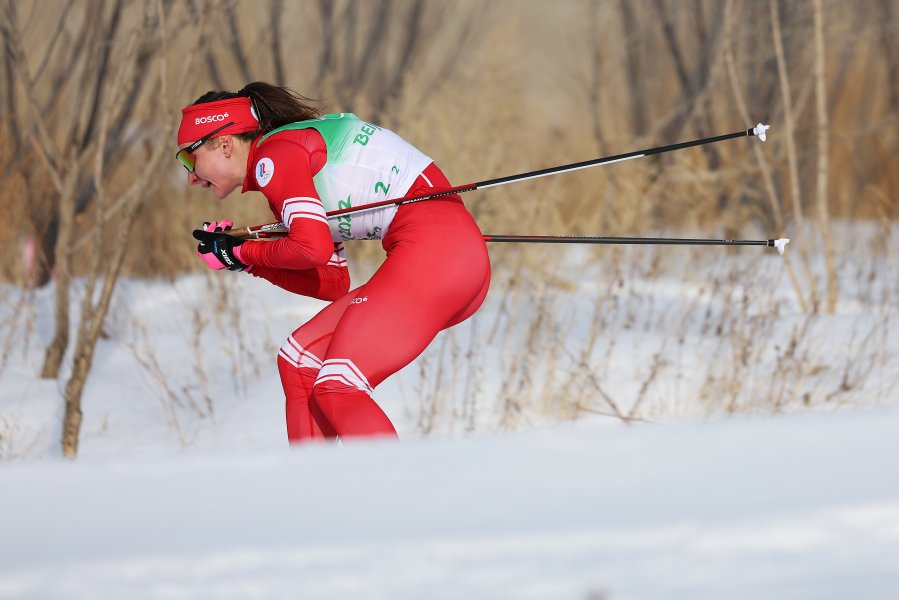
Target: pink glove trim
<point x="211" y="261"/>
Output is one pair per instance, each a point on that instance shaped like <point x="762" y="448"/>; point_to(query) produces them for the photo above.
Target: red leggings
<point x="436" y="275"/>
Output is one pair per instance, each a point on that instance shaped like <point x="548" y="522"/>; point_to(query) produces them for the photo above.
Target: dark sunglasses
<point x="186" y="155"/>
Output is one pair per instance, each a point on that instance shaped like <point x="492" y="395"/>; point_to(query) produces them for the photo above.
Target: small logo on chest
<point x="265" y="169"/>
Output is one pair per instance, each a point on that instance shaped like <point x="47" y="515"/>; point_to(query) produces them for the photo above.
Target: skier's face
<point x="219" y="166"/>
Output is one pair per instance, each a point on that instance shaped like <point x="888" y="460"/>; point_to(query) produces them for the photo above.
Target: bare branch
<point x="764" y="167"/>
<point x="787" y="101"/>
<point x="891" y="50"/>
<point x="102" y="72"/>
<point x="634" y="69"/>
<point x="47" y="148"/>
<point x="413" y="34"/>
<point x="365" y="69"/>
<point x="465" y="33"/>
<point x="202" y="22"/>
<point x="54" y="38"/>
<point x="326" y="20"/>
<point x="276" y="9"/>
<point x="823" y="145"/>
<point x="674" y="47"/>
<point x="236" y="45"/>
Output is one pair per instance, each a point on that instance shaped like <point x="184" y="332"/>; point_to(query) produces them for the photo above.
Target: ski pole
<point x="276" y="230"/>
<point x="262" y="231"/>
<point x="759" y="131"/>
<point x="780" y="244"/>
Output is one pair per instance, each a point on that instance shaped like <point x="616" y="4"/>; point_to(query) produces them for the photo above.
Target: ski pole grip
<point x="259" y="232"/>
<point x="243" y="233"/>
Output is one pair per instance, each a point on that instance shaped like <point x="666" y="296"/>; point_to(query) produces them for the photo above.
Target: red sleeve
<point x="324" y="283"/>
<point x="329" y="282"/>
<point x="283" y="167"/>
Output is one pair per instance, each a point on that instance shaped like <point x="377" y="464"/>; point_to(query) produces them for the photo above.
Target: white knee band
<point x="343" y="371"/>
<point x="298" y="356"/>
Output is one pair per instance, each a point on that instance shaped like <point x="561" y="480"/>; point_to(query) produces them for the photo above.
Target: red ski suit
<point x="435" y="275"/>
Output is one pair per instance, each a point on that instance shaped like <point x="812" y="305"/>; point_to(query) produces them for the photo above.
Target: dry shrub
<point x="602" y="85"/>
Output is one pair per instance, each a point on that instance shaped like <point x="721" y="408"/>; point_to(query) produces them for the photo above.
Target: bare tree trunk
<point x="850" y="45"/>
<point x="71" y="420"/>
<point x="10" y="111"/>
<point x="326" y="23"/>
<point x="367" y="49"/>
<point x="93" y="315"/>
<point x="792" y="161"/>
<point x="891" y="49"/>
<point x="202" y="15"/>
<point x="693" y="69"/>
<point x="91" y="131"/>
<point x="413" y="32"/>
<point x="774" y="201"/>
<point x="236" y="45"/>
<point x="64" y="175"/>
<point x="823" y="134"/>
<point x="275" y="16"/>
<point x="680" y="63"/>
<point x="635" y="71"/>
<point x="107" y="265"/>
<point x="594" y="100"/>
<point x="57" y="348"/>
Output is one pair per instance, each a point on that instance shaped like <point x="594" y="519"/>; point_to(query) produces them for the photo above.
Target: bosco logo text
<point x="211" y="119"/>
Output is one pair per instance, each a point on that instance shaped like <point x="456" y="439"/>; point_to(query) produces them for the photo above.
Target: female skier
<point x="436" y="273"/>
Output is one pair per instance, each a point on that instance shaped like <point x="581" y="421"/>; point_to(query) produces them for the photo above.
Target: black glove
<point x="221" y="245"/>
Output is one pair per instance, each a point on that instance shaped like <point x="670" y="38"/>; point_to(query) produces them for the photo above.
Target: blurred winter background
<point x="616" y="422"/>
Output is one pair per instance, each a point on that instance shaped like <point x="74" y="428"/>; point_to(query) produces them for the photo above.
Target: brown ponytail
<point x="275" y="106"/>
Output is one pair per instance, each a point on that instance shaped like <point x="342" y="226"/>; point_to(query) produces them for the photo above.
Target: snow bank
<point x="790" y="507"/>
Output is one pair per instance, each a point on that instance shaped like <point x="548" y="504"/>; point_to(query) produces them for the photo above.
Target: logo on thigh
<point x="359" y="300"/>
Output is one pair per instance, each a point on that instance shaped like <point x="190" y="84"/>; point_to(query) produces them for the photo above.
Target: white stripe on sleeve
<point x="302" y="207"/>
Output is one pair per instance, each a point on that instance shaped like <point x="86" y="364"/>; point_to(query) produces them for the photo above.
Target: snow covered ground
<point x="793" y="507"/>
<point x="668" y="426"/>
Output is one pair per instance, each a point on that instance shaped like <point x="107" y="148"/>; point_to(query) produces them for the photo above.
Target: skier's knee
<point x="298" y="357"/>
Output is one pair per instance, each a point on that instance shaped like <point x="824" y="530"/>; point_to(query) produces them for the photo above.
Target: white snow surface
<point x="792" y="507"/>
